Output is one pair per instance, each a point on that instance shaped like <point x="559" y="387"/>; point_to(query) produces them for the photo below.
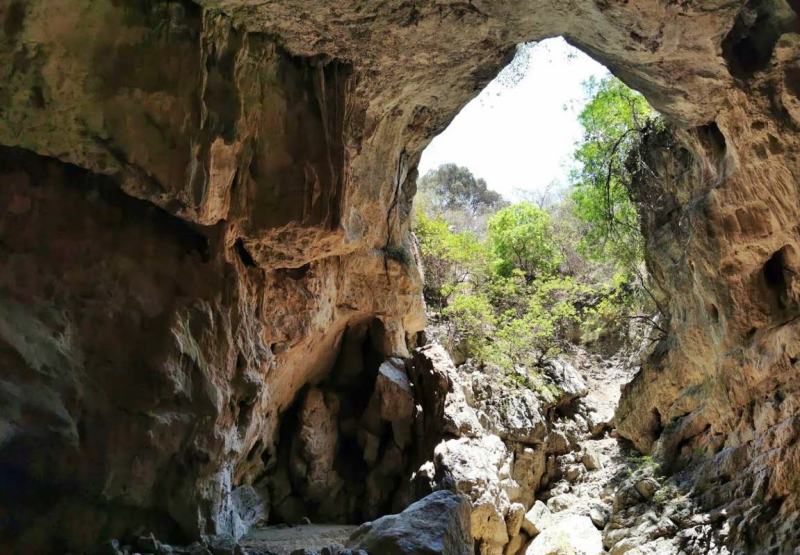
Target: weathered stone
<point x="478" y="468"/>
<point x="250" y="507"/>
<point x="573" y="473"/>
<point x="315" y="446"/>
<point x="572" y="535"/>
<point x="514" y="518"/>
<point x="592" y="460"/>
<point x="599" y="515"/>
<point x="200" y="199"/>
<point x="394" y="392"/>
<point x="557" y="442"/>
<point x="436" y="525"/>
<point x="528" y="469"/>
<point x="647" y="487"/>
<point x="536" y="519"/>
<point x="221" y="544"/>
<point x="516" y="544"/>
<point x="561" y="502"/>
<point x="567" y="380"/>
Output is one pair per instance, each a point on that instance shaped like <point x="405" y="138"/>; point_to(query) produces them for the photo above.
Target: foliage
<point x="612" y="121"/>
<point x="540" y="275"/>
<point x="520" y="237"/>
<point x="538" y="333"/>
<point x="449" y="258"/>
<point x="471" y="320"/>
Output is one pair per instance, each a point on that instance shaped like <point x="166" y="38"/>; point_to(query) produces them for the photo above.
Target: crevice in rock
<point x="243" y="254"/>
<point x="339" y="458"/>
<point x="748" y="46"/>
<point x="295" y="273"/>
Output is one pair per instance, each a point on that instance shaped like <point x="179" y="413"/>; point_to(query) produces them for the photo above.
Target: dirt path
<point x="283" y="540"/>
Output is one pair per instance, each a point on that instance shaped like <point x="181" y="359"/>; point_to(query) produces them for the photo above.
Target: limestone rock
<point x="514" y="518"/>
<point x="599" y="516"/>
<point x="567" y="380"/>
<point x="480" y="469"/>
<point x="315" y="447"/>
<point x="435" y="525"/>
<point x="561" y="502"/>
<point x="647" y="487"/>
<point x="592" y="460"/>
<point x="514" y="414"/>
<point x="573" y="535"/>
<point x="251" y="507"/>
<point x="199" y="200"/>
<point x="394" y="391"/>
<point x="536" y="519"/>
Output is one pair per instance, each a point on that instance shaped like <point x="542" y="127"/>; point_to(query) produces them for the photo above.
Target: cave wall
<point x="198" y="199"/>
<point x="718" y="400"/>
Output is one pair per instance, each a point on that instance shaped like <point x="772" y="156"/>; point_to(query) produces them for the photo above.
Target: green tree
<point x="521" y="238"/>
<point x="612" y="121"/>
<point x="452" y="187"/>
<point x="449" y="258"/>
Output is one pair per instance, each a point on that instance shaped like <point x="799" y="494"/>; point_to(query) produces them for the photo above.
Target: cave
<point x="205" y="211"/>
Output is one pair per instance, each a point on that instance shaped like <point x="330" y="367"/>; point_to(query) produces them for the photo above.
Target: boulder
<point x="516" y="544"/>
<point x="250" y="507"/>
<point x="527" y="471"/>
<point x="536" y="519"/>
<point x="571" y="535"/>
<point x="438" y="524"/>
<point x="315" y="445"/>
<point x="592" y="460"/>
<point x="480" y="469"/>
<point x="561" y="502"/>
<point x="647" y="487"/>
<point x="567" y="379"/>
<point x="599" y="515"/>
<point x="394" y="391"/>
<point x="514" y="517"/>
<point x="512" y="413"/>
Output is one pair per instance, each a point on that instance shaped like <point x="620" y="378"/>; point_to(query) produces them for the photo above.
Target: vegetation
<point x="612" y="121"/>
<point x="516" y="284"/>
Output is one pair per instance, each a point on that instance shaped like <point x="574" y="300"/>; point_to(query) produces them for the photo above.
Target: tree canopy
<point x="612" y="121"/>
<point x="521" y="238"/>
<point x="452" y="187"/>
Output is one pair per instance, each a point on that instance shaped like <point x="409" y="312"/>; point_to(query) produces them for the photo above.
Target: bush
<point x="470" y="322"/>
<point x="521" y="239"/>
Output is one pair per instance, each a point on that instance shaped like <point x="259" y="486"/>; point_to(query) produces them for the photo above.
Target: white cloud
<point x="521" y="136"/>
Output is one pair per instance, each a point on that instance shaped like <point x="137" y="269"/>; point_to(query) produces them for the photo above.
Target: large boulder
<point x="571" y="535"/>
<point x="394" y="390"/>
<point x="513" y="413"/>
<point x="567" y="380"/>
<point x="438" y="524"/>
<point x="481" y="469"/>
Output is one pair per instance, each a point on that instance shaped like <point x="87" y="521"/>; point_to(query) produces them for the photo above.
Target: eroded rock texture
<point x="199" y="200"/>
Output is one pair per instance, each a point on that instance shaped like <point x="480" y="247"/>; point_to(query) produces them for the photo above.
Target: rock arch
<point x="143" y="371"/>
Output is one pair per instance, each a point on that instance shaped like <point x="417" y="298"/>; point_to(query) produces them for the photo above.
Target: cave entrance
<point x="526" y="214"/>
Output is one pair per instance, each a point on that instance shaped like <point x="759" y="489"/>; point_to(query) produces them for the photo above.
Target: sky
<point x="520" y="131"/>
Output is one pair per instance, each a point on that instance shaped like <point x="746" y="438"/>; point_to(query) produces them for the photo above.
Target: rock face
<point x="204" y="209"/>
<point x="719" y="398"/>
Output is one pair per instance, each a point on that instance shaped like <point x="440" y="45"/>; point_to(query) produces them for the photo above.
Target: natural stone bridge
<point x="202" y="205"/>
